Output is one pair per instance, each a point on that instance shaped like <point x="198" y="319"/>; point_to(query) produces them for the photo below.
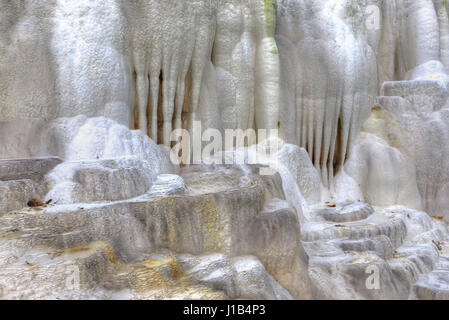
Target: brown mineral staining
<point x="438" y="245"/>
<point x="33" y="203"/>
<point x="437" y="217"/>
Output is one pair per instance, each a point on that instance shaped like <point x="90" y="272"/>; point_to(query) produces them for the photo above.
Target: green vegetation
<point x="270" y="22"/>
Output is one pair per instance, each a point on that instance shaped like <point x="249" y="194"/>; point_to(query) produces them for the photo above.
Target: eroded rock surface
<point x="234" y="220"/>
<point x="353" y="204"/>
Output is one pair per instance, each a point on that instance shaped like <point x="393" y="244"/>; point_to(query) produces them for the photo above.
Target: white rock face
<point x="327" y="67"/>
<point x="147" y="68"/>
<point x="250" y="272"/>
<point x="106" y="180"/>
<point x="91" y="91"/>
<point x="384" y="175"/>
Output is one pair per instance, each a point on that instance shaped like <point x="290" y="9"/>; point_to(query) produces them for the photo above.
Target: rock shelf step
<point x="351" y="212"/>
<point x="435" y="285"/>
<point x="374" y="226"/>
<point x="29" y="168"/>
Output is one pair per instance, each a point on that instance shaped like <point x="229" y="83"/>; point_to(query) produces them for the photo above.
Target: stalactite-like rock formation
<point x="169" y="61"/>
<point x="148" y="62"/>
<point x="308" y="67"/>
<point x="327" y="89"/>
<point x="91" y="92"/>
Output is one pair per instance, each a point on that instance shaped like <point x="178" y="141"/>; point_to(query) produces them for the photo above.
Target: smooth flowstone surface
<point x="27" y="168"/>
<point x="209" y="232"/>
<point x="435" y="285"/>
<point x="15" y="194"/>
<point x="168" y="184"/>
<point x="345" y="213"/>
<point x="389" y="255"/>
<point x="21" y="180"/>
<point x="116" y="245"/>
<point x="98" y="180"/>
<point x="374" y="226"/>
<point x="105" y="85"/>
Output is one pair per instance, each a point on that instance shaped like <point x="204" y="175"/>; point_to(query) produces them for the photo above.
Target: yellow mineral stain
<point x="89" y="248"/>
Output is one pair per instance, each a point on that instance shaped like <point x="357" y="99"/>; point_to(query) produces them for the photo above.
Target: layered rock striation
<point x="93" y="206"/>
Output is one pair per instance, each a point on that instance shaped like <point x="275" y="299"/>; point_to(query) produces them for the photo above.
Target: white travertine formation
<point x="91" y="91"/>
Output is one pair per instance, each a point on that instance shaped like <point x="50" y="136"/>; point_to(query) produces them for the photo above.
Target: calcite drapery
<point x="358" y="88"/>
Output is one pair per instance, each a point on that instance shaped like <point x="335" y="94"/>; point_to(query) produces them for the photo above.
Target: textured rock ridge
<point x="353" y="204"/>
